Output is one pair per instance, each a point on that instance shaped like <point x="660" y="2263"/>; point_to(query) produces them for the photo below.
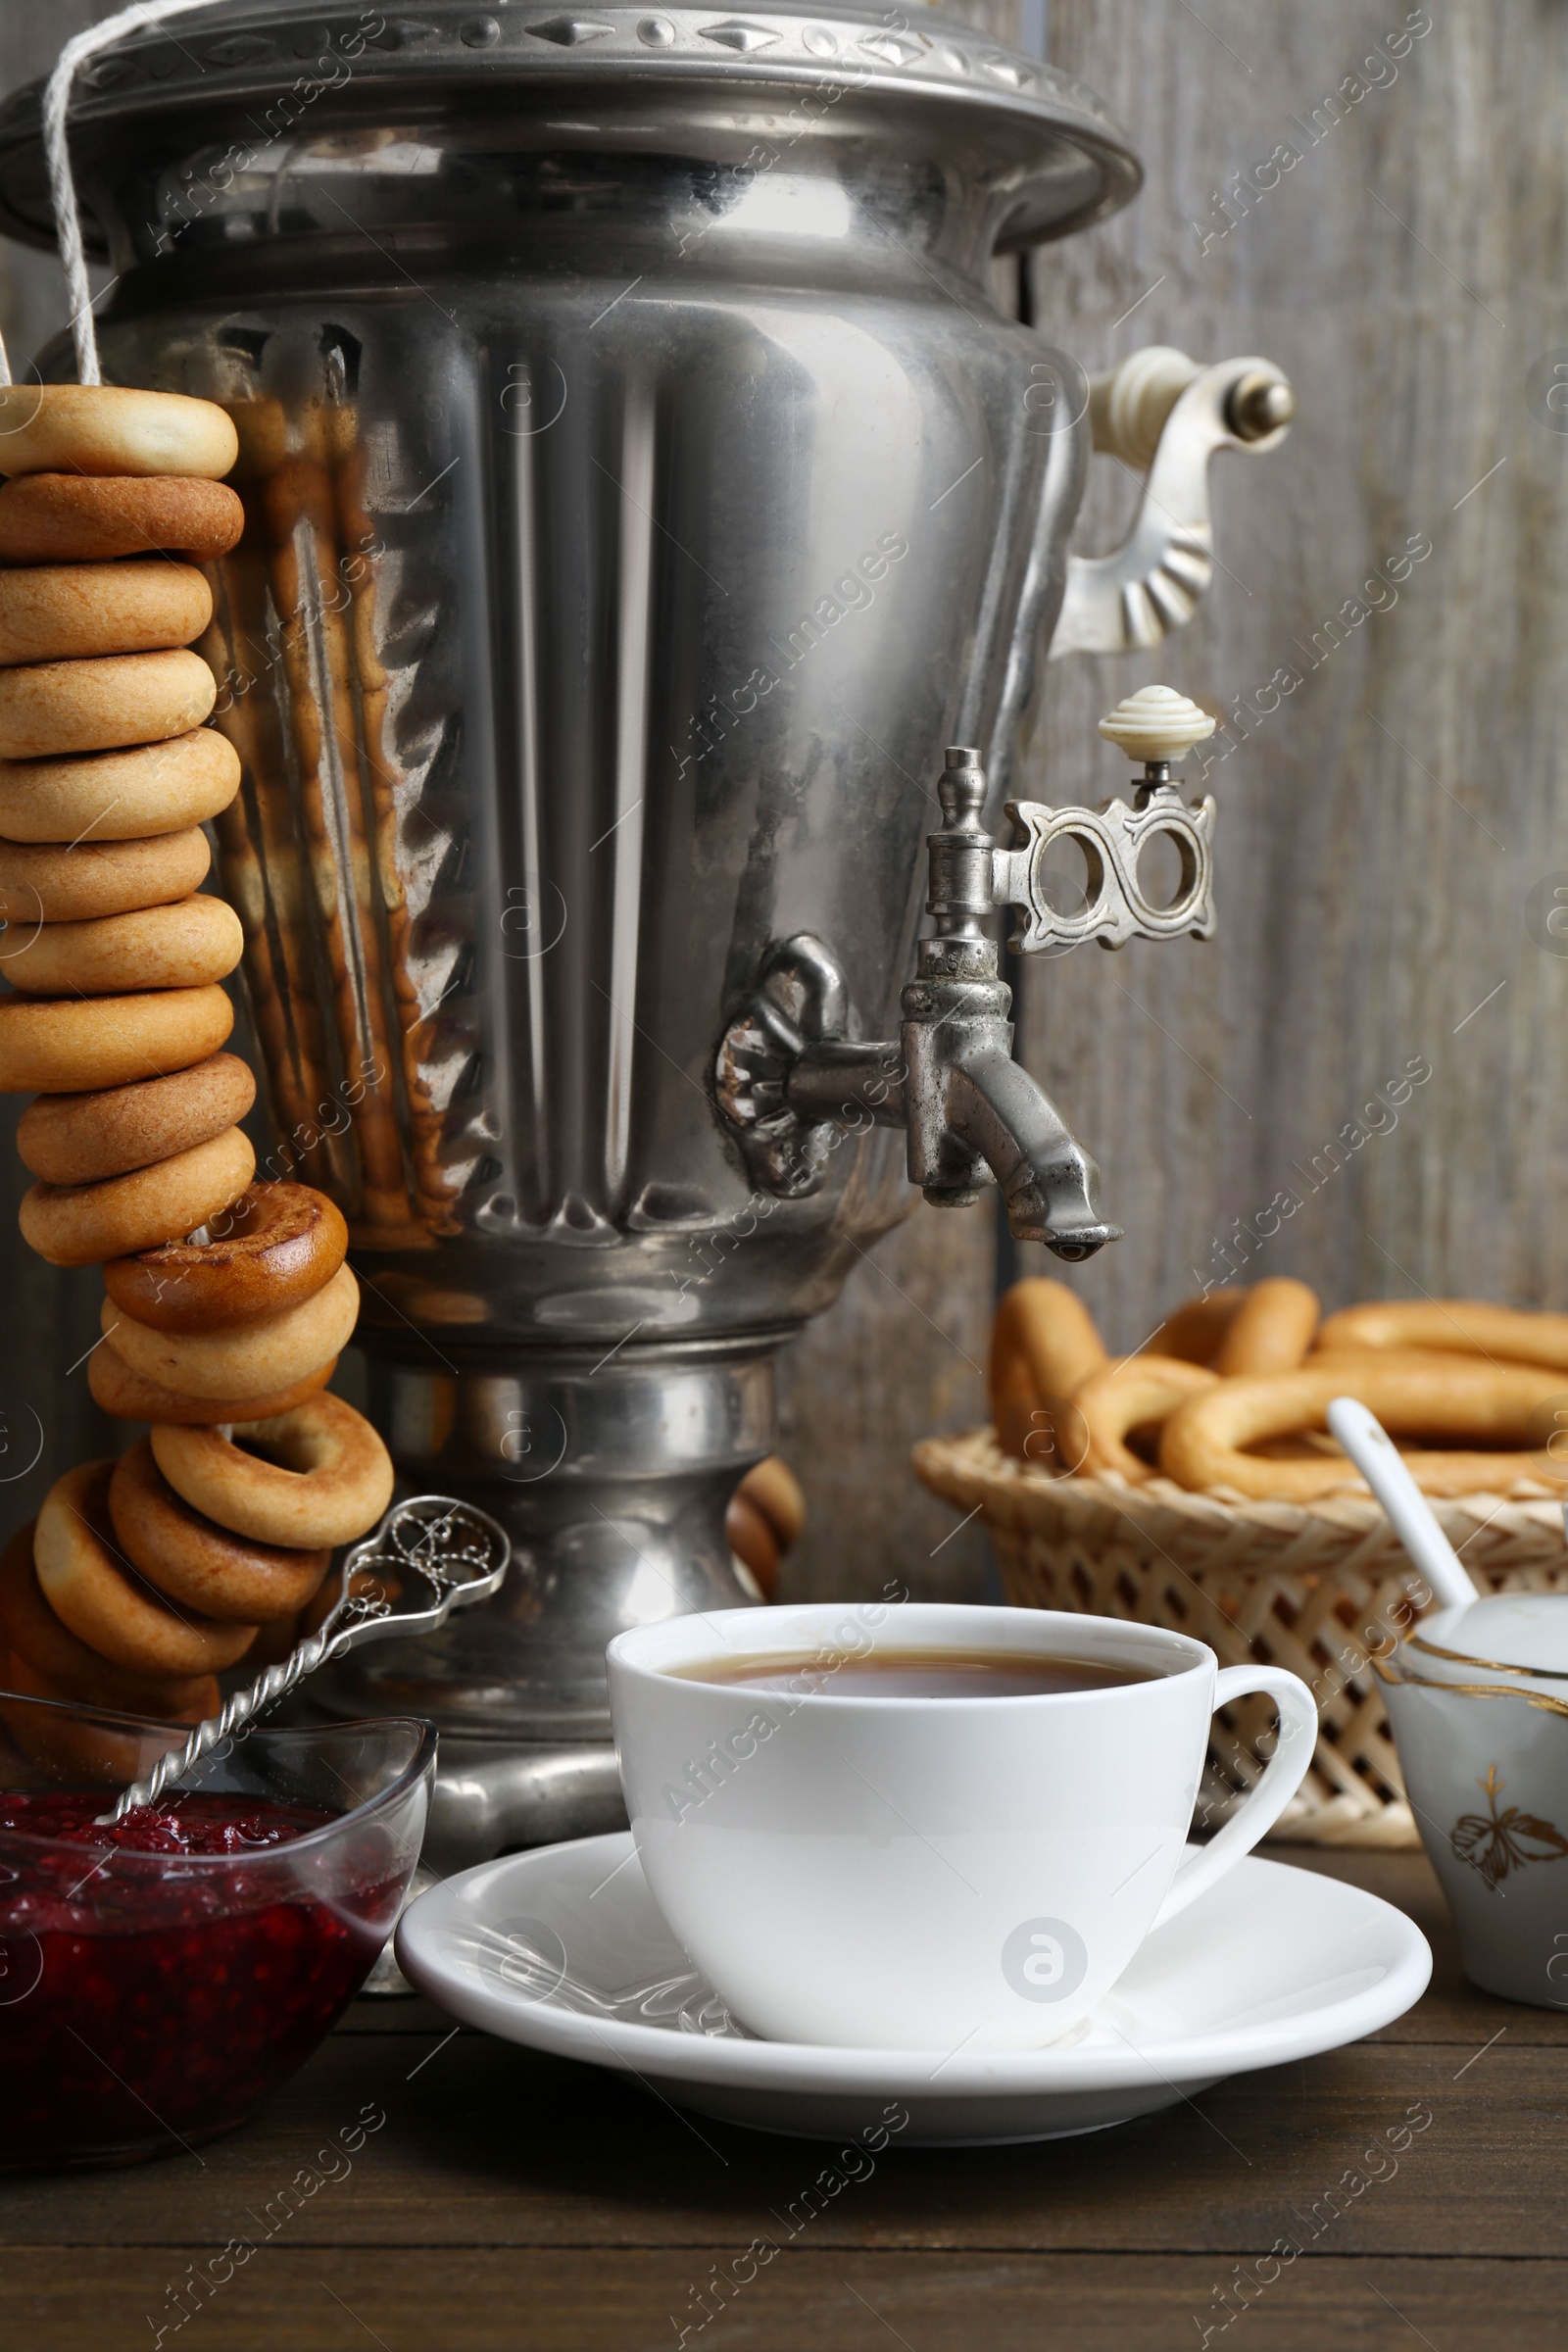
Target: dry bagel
<point x="1023" y="1428"/>
<point x="189" y="945"/>
<point x="81" y="1139"/>
<point x="1043" y="1346"/>
<point x="61" y="612"/>
<point x="82" y="1224"/>
<point x="1055" y="1333"/>
<point x="264" y="1354"/>
<point x="276" y="1247"/>
<point x="262" y="430"/>
<point x="753" y="1539"/>
<point x="30" y="1630"/>
<point x="54" y="708"/>
<point x="102" y="1599"/>
<point x="1270" y="1331"/>
<point x="1465" y="1326"/>
<point x="94" y="1750"/>
<point x="151" y="791"/>
<point x="1194" y="1330"/>
<point x="276" y="1638"/>
<point x="195" y="1562"/>
<point x="1421" y="1397"/>
<point x="1131" y="1392"/>
<point x="775" y="1490"/>
<point x="124" y="1395"/>
<point x="331" y="1480"/>
<point x="112" y="430"/>
<point x="50" y="882"/>
<point x="90" y="1753"/>
<point x="88" y="519"/>
<point x="59" y="1046"/>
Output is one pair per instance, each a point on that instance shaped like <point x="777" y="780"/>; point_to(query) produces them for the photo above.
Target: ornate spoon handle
<point x="458" y="1550"/>
<point x="235" y="1713"/>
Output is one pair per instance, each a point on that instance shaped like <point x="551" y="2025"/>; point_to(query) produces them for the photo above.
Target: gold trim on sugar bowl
<point x="1430" y="1682"/>
<point x="1460" y="1657"/>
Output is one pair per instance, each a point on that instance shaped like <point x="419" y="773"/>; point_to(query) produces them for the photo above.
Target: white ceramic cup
<point x="904" y="1873"/>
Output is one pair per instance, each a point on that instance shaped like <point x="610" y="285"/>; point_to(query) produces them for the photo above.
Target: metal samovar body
<point x="643" y="488"/>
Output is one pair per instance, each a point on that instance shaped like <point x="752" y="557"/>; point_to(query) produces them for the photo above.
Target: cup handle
<point x="1263" y="1805"/>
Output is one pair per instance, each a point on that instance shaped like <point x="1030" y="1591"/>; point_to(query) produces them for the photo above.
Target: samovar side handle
<point x="1161" y="415"/>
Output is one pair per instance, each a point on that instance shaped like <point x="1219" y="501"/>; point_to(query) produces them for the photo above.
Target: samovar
<point x="643" y="488"/>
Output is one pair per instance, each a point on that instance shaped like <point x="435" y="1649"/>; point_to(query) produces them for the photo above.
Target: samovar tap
<point x="788" y="1073"/>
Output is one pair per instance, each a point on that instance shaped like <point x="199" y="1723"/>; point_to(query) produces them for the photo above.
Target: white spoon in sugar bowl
<point x="1477" y="1698"/>
<point x="1380" y="1463"/>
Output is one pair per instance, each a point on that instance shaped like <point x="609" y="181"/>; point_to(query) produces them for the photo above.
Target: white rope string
<point x="57" y="149"/>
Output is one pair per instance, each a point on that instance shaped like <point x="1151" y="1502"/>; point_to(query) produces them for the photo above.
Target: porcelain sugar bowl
<point x="1477" y="1698"/>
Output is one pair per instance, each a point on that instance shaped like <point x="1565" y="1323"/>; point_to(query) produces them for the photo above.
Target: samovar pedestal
<point x="610" y="1470"/>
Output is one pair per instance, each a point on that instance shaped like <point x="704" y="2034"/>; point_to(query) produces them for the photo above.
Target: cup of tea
<point x="926" y="1825"/>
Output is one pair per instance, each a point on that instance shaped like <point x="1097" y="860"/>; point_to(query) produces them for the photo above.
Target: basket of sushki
<point x="1194" y="1485"/>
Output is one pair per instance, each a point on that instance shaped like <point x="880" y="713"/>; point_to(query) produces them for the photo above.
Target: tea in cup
<point x="927" y="1826"/>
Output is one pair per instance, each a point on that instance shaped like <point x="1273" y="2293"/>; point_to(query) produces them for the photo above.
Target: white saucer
<point x="562" y="1949"/>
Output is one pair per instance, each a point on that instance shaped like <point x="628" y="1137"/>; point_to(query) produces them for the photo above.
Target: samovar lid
<point x="1073" y="162"/>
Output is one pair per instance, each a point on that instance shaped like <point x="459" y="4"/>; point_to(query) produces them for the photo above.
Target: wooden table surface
<point x="510" y="2200"/>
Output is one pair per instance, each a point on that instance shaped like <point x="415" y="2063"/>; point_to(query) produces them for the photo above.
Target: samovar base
<point x="497" y="1796"/>
<point x="613" y="1479"/>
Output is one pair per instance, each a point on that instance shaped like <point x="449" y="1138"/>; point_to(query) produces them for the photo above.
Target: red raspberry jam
<point x="159" y="1977"/>
<point x="195" y="1825"/>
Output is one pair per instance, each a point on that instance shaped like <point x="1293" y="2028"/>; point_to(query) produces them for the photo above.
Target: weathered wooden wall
<point x="1384" y="829"/>
<point x="1390" y="834"/>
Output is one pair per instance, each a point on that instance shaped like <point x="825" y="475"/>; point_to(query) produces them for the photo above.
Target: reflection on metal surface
<point x="492" y="1799"/>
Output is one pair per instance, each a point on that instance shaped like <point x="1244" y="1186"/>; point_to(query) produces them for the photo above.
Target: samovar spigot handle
<point x="1158" y="728"/>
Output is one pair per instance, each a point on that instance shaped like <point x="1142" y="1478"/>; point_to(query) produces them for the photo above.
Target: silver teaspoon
<point x="457" y="1552"/>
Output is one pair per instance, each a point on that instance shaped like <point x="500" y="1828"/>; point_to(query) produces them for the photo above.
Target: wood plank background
<point x="1388" y="834"/>
<point x="1383" y="830"/>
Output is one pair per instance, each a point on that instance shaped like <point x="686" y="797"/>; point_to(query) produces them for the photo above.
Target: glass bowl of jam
<point x="160" y="1977"/>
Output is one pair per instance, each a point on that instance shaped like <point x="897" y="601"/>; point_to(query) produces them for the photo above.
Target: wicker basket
<point x="1315" y="1589"/>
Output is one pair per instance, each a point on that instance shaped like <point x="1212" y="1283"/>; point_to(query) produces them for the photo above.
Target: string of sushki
<point x="140" y="18"/>
<point x="202" y="1339"/>
<point x="228" y="1301"/>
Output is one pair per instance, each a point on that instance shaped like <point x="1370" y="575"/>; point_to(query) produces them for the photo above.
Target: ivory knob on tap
<point x="1129" y="406"/>
<point x="1156" y="724"/>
